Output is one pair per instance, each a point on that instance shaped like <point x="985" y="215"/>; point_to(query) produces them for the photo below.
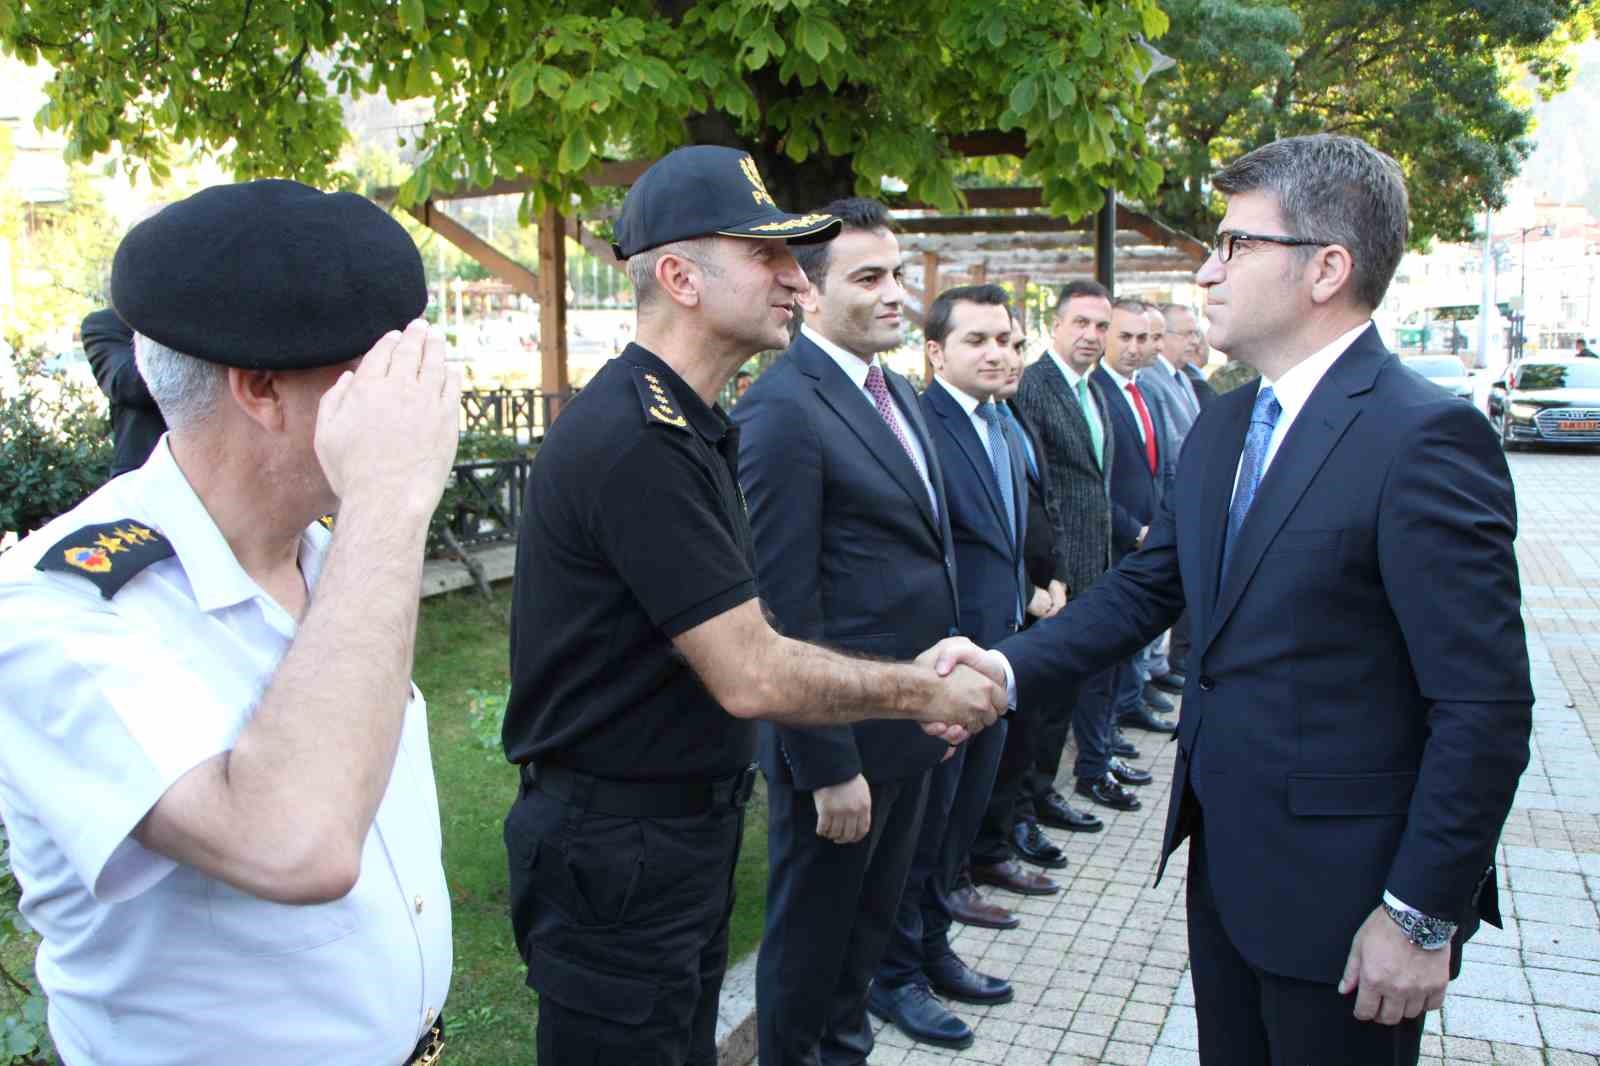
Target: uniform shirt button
<point x="427" y="1019"/>
<point x="1207" y="683"/>
<point x="419" y="904"/>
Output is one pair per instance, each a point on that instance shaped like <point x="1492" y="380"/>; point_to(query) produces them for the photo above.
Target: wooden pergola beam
<point x="552" y="299"/>
<point x="493" y="259"/>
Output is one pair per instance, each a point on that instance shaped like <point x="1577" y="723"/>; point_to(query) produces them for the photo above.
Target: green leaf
<point x="575" y="151"/>
<point x="553" y="81"/>
<point x="1024" y="95"/>
<point x="520" y="91"/>
<point x="413" y="17"/>
<point x="810" y="36"/>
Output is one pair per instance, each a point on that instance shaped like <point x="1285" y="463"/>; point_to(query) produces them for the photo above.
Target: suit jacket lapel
<point x="1072" y="411"/>
<point x="906" y="398"/>
<point x="1333" y="405"/>
<point x="966" y="438"/>
<point x="855" y="409"/>
<point x="1222" y="466"/>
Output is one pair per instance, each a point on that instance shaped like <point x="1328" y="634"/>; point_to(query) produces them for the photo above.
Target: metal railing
<point x="483" y="501"/>
<point x="524" y="414"/>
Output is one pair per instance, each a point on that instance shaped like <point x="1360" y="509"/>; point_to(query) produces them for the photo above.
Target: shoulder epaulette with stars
<point x="109" y="554"/>
<point x="658" y="406"/>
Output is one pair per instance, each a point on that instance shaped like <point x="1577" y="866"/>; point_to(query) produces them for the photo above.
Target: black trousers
<point x="958" y="796"/>
<point x="1248" y="1017"/>
<point x="623" y="923"/>
<point x="830" y="909"/>
<point x="993" y="843"/>
<point x="1093" y="721"/>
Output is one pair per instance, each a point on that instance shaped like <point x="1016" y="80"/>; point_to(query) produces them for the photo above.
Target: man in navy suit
<point x="967" y="335"/>
<point x="1358" y="707"/>
<point x="1139" y="477"/>
<point x="853" y="550"/>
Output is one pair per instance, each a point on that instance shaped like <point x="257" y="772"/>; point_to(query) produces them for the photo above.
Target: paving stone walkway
<point x="1101" y="970"/>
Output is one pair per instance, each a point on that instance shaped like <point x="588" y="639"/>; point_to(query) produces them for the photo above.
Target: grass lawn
<point x="462" y="650"/>
<point x="462" y="647"/>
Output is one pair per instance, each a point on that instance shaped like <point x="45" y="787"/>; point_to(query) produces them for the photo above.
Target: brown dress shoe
<point x="969" y="908"/>
<point x="1014" y="877"/>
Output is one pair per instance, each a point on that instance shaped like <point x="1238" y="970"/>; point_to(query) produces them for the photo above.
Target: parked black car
<point x="1548" y="401"/>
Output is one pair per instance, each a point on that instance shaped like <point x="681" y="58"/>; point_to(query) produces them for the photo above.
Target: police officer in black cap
<point x="639" y="652"/>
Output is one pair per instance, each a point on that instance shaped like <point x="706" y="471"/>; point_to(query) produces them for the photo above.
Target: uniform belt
<point x="431" y="1047"/>
<point x="640" y="799"/>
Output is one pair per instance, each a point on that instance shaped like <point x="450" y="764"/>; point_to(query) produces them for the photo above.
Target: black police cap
<point x="703" y="190"/>
<point x="268" y="275"/>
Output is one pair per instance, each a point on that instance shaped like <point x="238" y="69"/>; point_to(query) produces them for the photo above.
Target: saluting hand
<point x="388" y="428"/>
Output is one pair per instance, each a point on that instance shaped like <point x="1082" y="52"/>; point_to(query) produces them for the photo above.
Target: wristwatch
<point x="1429" y="934"/>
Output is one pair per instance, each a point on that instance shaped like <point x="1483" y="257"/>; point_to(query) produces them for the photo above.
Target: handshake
<point x="970" y="692"/>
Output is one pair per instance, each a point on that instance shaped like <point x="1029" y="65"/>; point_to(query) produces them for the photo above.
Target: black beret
<point x="268" y="275"/>
<point x="703" y="190"/>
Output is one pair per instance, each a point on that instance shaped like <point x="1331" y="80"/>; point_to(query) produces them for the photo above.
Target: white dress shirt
<point x="970" y="405"/>
<point x="1294" y="388"/>
<point x="1091" y="412"/>
<point x="855" y="368"/>
<point x="1122" y="384"/>
<point x="107" y="702"/>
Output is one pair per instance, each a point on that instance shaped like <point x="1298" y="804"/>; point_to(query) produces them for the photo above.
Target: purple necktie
<point x="878" y="389"/>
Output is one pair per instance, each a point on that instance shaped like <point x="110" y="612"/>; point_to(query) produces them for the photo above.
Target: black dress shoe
<point x="913" y="1010"/>
<point x="954" y="979"/>
<point x="1031" y="845"/>
<point x="1106" y="792"/>
<point x="1144" y="719"/>
<point x="1121" y="746"/>
<point x="1130" y="775"/>
<point x="1157" y="700"/>
<point x="969" y="908"/>
<point x="1014" y="877"/>
<point x="1057" y="813"/>
<point x="1172" y="682"/>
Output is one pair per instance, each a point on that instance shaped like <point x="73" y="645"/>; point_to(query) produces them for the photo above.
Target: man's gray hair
<point x="642" y="267"/>
<point x="186" y="389"/>
<point x="1336" y="189"/>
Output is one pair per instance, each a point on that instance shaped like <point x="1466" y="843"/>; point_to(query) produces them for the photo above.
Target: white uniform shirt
<point x="106" y="703"/>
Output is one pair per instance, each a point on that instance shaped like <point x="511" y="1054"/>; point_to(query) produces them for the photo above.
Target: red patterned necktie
<point x="1150" y="454"/>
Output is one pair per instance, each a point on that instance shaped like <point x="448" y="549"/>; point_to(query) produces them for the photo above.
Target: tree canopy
<point x="1441" y="85"/>
<point x="831" y="96"/>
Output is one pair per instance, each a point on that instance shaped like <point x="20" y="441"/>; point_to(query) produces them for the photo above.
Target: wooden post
<point x="552" y="311"/>
<point x="1105" y="243"/>
<point x="930" y="289"/>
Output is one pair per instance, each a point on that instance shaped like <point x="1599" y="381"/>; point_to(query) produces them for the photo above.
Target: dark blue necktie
<point x="1000" y="460"/>
<point x="1252" y="465"/>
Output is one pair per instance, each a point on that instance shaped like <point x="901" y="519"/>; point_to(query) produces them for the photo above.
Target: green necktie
<point x="1097" y="433"/>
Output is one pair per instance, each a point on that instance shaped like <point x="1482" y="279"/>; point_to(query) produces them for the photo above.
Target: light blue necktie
<point x="1252" y="465"/>
<point x="1000" y="461"/>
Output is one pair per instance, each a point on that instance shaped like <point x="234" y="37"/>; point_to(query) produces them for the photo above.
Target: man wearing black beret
<point x="639" y="652"/>
<point x="216" y="775"/>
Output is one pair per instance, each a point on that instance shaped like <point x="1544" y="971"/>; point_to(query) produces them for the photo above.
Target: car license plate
<point x="1588" y="426"/>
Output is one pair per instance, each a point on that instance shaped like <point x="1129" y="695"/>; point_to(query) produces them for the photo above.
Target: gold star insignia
<point x="111" y="544"/>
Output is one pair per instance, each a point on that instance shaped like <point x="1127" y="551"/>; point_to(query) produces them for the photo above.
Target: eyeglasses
<point x="1228" y="242"/>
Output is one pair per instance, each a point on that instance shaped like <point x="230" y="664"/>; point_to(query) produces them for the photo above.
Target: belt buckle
<point x="745" y="787"/>
<point x="435" y="1049"/>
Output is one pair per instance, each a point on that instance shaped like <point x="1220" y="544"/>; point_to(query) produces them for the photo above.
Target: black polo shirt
<point x="634" y="531"/>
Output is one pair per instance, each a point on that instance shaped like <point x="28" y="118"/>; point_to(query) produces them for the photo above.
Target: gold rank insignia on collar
<point x="326" y="522"/>
<point x="658" y="405"/>
<point x="109" y="555"/>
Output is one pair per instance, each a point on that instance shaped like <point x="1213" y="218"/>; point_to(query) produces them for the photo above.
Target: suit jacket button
<point x="1207" y="683"/>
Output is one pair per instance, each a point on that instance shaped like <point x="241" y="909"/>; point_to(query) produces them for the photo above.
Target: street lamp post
<point x="1545" y="230"/>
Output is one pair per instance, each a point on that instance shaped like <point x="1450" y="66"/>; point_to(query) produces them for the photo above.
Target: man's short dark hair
<point x="858" y="213"/>
<point x="1130" y="303"/>
<point x="1074" y="289"/>
<point x="1333" y="188"/>
<point x="742" y="374"/>
<point x="937" y="326"/>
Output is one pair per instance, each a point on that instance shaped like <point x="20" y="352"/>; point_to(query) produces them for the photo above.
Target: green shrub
<point x="55" y="444"/>
<point x="23" y="1036"/>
